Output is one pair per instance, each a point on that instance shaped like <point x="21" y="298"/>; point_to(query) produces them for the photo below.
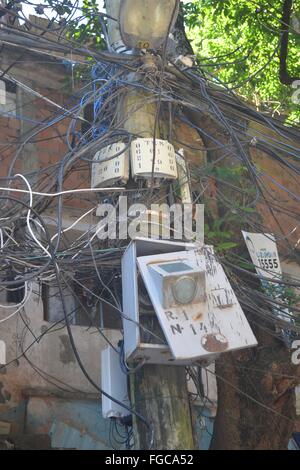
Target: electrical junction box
<point x="111" y="166"/>
<point x="135" y="346"/>
<point x="114" y="383"/>
<point x="142" y="155"/>
<point x="197" y="309"/>
<point x="183" y="178"/>
<point x="2" y="92"/>
<point x="2" y="353"/>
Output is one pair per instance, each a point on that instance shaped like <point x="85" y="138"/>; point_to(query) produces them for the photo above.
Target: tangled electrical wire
<point x="88" y="268"/>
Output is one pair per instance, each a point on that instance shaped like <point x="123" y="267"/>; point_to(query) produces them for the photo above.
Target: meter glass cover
<point x="175" y="267"/>
<point x="184" y="290"/>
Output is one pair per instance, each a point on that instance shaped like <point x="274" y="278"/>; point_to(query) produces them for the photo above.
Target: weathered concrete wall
<point x="52" y="80"/>
<point x="279" y="184"/>
<point x="51" y="366"/>
<point x="50" y="354"/>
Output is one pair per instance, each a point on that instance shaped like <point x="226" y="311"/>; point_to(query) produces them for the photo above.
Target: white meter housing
<point x="178" y="283"/>
<point x="143" y="152"/>
<point x="111" y="166"/>
<point x="195" y="303"/>
<point x="198" y="311"/>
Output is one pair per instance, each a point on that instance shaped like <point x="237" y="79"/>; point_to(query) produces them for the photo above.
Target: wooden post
<point x="159" y="393"/>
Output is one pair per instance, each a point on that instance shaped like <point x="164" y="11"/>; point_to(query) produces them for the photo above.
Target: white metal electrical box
<point x="137" y="349"/>
<point x="197" y="309"/>
<point x="2" y="92"/>
<point x="111" y="166"/>
<point x="142" y="156"/>
<point x="183" y="178"/>
<point x="2" y="353"/>
<point x="114" y="383"/>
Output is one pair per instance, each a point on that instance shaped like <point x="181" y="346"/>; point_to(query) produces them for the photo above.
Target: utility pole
<point x="159" y="393"/>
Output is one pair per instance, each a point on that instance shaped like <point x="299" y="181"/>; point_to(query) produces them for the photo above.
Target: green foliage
<point x="237" y="41"/>
<point x="88" y="32"/>
<point x="224" y="231"/>
<point x="83" y="24"/>
<point x="290" y="297"/>
<point x="218" y="236"/>
<point x="229" y="173"/>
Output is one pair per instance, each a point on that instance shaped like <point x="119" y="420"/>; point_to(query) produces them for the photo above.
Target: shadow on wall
<point x="75" y="424"/>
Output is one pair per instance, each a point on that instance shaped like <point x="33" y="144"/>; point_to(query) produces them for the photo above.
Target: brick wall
<point x="48" y="147"/>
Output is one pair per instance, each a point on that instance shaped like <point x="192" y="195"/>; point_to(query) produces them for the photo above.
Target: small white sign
<point x="264" y="254"/>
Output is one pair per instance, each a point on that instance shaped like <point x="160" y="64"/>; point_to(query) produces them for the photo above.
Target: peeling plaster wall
<point x="51" y="353"/>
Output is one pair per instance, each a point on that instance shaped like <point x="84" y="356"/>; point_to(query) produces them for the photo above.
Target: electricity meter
<point x="143" y="153"/>
<point x="110" y="166"/>
<point x="180" y="284"/>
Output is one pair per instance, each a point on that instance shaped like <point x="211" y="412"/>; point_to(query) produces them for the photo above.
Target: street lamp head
<point x="145" y="24"/>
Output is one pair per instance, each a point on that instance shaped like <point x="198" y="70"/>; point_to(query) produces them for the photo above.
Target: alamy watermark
<point x="158" y="221"/>
<point x="296" y="352"/>
<point x="296" y="94"/>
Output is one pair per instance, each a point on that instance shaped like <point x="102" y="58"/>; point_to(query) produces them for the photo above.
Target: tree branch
<point x="284" y="76"/>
